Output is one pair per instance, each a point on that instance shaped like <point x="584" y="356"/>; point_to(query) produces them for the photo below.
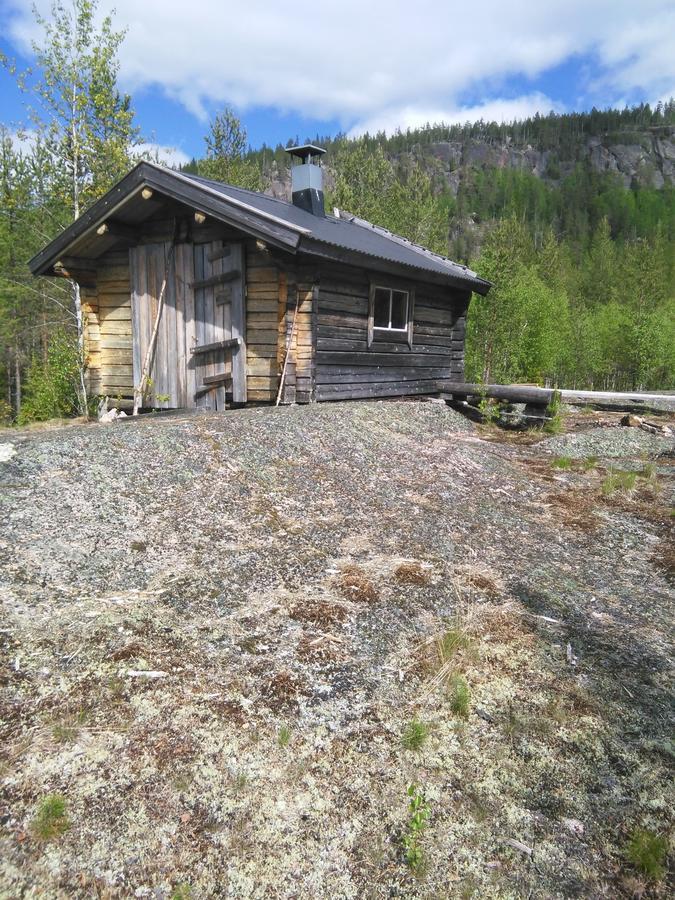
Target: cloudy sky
<point x="302" y="69"/>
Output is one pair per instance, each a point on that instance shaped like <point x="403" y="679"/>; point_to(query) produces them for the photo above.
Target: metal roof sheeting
<point x="348" y="232"/>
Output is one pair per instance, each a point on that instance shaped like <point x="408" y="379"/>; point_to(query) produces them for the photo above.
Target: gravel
<point x="609" y="443"/>
<point x="291" y="572"/>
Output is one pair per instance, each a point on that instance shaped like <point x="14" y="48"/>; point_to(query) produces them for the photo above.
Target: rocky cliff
<point x="643" y="158"/>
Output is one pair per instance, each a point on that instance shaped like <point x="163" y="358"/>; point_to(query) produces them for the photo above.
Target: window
<point x="390" y="309"/>
<point x="390" y="313"/>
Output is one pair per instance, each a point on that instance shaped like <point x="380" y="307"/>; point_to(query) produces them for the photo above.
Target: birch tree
<point x="85" y="126"/>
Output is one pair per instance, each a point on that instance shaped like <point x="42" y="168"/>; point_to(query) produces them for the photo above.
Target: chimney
<point x="307" y="179"/>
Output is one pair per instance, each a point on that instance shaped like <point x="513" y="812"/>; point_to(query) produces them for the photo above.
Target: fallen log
<point x="542" y="397"/>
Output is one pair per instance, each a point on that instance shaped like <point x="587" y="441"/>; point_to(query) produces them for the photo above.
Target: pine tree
<point x="226" y="154"/>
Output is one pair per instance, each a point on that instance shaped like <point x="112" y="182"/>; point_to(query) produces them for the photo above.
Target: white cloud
<point x="354" y="60"/>
<point x="496" y="110"/>
<point x="170" y="156"/>
<point x="24" y="142"/>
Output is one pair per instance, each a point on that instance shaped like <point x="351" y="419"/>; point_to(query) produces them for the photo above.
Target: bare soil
<point x="217" y="628"/>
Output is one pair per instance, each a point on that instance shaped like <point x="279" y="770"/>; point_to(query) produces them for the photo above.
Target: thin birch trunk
<point x="17" y="381"/>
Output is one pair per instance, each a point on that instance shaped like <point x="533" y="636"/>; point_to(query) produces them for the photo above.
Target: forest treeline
<point x="582" y="265"/>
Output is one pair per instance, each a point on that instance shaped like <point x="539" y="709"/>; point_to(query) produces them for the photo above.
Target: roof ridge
<point x="235" y="187"/>
<point x="405" y="242"/>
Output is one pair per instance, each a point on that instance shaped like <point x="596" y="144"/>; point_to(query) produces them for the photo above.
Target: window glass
<point x="399" y="309"/>
<point x="381" y="308"/>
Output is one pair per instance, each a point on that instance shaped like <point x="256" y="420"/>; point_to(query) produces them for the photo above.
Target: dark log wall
<point x="346" y="367"/>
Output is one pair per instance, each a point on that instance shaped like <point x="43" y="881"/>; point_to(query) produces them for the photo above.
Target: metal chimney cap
<point x="306" y="151"/>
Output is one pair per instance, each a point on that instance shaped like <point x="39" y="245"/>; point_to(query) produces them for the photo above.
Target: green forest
<point x="582" y="262"/>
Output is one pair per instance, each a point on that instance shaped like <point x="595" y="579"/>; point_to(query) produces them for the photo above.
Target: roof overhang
<point x="325" y="250"/>
<point x="175" y="186"/>
<point x="169" y="185"/>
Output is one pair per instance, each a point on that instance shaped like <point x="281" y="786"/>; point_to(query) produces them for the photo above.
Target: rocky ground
<point x="351" y="650"/>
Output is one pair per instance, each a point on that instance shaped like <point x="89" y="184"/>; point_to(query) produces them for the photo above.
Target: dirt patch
<point x="576" y="509"/>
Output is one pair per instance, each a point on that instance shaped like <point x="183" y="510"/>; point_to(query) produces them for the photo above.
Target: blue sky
<point x="298" y="71"/>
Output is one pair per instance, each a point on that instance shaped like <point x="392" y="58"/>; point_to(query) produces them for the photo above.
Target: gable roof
<point x="277" y="221"/>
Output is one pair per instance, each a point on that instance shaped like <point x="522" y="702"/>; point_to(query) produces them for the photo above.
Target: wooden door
<point x="219" y="324"/>
<point x="203" y="307"/>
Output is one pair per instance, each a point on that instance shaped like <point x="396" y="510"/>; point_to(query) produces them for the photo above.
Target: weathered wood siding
<point x="106" y="306"/>
<point x="347" y="368"/>
<point x="297" y="331"/>
<point x="263" y="287"/>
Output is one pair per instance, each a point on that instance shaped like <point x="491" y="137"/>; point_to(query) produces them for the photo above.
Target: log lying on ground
<point x="537" y="396"/>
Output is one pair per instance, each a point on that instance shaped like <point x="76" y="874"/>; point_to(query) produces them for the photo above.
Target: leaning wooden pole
<point x="149" y="353"/>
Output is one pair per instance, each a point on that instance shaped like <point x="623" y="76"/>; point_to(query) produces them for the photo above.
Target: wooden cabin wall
<point x="106" y="306"/>
<point x="263" y="287"/>
<point x="347" y="368"/>
<point x="297" y="330"/>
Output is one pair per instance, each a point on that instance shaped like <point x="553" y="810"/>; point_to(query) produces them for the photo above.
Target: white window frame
<point x="389" y="327"/>
<point x="391" y="286"/>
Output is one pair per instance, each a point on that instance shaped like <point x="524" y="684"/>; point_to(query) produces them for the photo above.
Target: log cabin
<point x="198" y="294"/>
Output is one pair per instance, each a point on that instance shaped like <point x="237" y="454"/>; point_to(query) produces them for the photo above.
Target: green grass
<point x="590" y="462"/>
<point x="647" y="852"/>
<point x="284" y="736"/>
<point x="64" y="734"/>
<point x="451" y="642"/>
<point x="415" y="735"/>
<point x="618" y="480"/>
<point x="51" y="819"/>
<point x="460" y="697"/>
<point x="562" y="462"/>
<point x="182" y="891"/>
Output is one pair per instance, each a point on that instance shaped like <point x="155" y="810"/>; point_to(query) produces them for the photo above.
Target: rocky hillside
<point x="646" y="158"/>
<point x="640" y="158"/>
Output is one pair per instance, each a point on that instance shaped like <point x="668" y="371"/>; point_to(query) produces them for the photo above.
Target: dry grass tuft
<point x="282" y="690"/>
<point x="355" y="585"/>
<point x="575" y="509"/>
<point x="412" y="573"/>
<point x="482" y="580"/>
<point x="230" y="710"/>
<point x="664" y="556"/>
<point x="321" y="613"/>
<point x="167" y="747"/>
<point x="133" y="650"/>
<point x="319" y="648"/>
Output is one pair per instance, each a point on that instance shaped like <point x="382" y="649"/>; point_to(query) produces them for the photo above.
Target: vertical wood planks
<point x="186" y="275"/>
<point x="238" y="325"/>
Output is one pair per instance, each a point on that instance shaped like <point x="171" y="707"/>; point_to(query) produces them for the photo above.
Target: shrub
<point x="460" y="696"/>
<point x="51" y="819"/>
<point x="52" y="383"/>
<point x="418" y="814"/>
<point x="6" y="414"/>
<point x="415" y="735"/>
<point x="647" y="852"/>
<point x="554" y="422"/>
